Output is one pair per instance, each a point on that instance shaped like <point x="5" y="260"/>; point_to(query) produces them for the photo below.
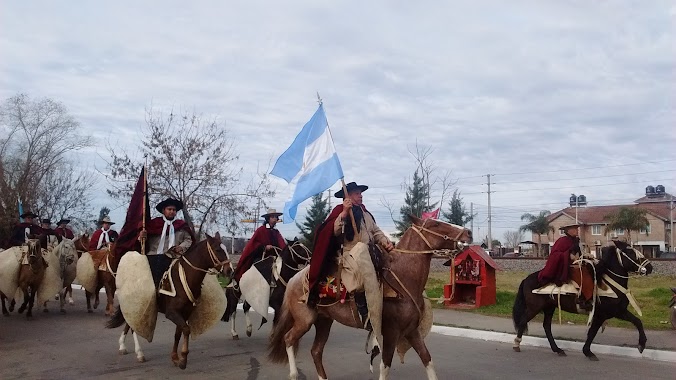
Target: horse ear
<point x="414" y="219"/>
<point x="217" y="236"/>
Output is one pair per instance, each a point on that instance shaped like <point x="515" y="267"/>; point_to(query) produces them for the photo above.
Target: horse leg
<point x="123" y="337"/>
<point x="418" y="344"/>
<point x="140" y="357"/>
<point x="25" y="301"/>
<point x="31" y="300"/>
<point x="96" y="296"/>
<point x="181" y="325"/>
<point x="44" y="307"/>
<point x="547" y="325"/>
<point x="249" y="326"/>
<point x="390" y="339"/>
<point x="626" y="315"/>
<point x="89" y="302"/>
<point x="110" y="297"/>
<point x="291" y="339"/>
<point x="591" y="334"/>
<point x="323" y="329"/>
<point x="4" y="309"/>
<point x="522" y="326"/>
<point x="69" y="290"/>
<point x="174" y="350"/>
<point x="62" y="300"/>
<point x="233" y="332"/>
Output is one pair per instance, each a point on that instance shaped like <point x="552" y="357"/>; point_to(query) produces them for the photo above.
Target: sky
<point x="549" y="97"/>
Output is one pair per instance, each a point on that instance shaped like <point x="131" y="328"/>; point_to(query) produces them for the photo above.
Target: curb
<point x="649" y="354"/>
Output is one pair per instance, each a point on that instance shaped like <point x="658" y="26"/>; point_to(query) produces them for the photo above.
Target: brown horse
<point x="405" y="270"/>
<point x="616" y="262"/>
<point x="105" y="278"/>
<point x="201" y="258"/>
<point x="30" y="276"/>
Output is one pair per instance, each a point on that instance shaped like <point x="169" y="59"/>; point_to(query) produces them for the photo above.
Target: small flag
<point x="311" y="161"/>
<point x="20" y="209"/>
<point x="431" y="215"/>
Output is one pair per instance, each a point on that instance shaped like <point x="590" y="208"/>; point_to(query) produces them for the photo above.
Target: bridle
<point x="640" y="268"/>
<point x="218" y="265"/>
<point x="421" y="230"/>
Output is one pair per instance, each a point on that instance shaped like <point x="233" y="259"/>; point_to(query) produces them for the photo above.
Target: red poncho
<point x="262" y="237"/>
<point x="556" y="268"/>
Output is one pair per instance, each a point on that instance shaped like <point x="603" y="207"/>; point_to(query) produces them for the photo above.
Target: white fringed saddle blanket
<point x="573" y="288"/>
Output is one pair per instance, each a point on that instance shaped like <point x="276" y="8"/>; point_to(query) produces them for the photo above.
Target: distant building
<point x="593" y="225"/>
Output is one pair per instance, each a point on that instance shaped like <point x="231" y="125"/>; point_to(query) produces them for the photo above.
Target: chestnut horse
<point x="294" y="257"/>
<point x="105" y="278"/>
<point x="201" y="258"/>
<point x="405" y="270"/>
<point x="616" y="262"/>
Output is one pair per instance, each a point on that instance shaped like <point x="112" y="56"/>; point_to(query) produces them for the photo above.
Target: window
<point x="645" y="230"/>
<point x="562" y="232"/>
<point x="619" y="232"/>
<point x="596" y="229"/>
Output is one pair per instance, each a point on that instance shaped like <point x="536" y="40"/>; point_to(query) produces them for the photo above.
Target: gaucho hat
<point x="169" y="202"/>
<point x="350" y="187"/>
<point x="570" y="225"/>
<point x="63" y="220"/>
<point x="106" y="219"/>
<point x="28" y="215"/>
<point x="271" y="212"/>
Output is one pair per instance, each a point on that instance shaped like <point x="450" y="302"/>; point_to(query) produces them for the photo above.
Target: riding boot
<point x="584" y="304"/>
<point x="362" y="307"/>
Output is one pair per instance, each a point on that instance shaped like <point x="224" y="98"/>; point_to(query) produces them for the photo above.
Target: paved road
<point x="76" y="345"/>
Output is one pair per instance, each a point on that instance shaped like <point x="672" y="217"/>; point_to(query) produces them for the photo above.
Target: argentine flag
<point x="311" y="161"/>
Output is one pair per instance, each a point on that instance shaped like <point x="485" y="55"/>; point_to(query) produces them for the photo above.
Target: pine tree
<point x="415" y="203"/>
<point x="105" y="211"/>
<point x="316" y="215"/>
<point x="457" y="214"/>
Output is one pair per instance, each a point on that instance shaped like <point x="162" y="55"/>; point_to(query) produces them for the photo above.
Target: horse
<point x="67" y="255"/>
<point x="291" y="263"/>
<point x="30" y="277"/>
<point x="616" y="262"/>
<point x="81" y="246"/>
<point x="105" y="278"/>
<point x="206" y="256"/>
<point x="405" y="270"/>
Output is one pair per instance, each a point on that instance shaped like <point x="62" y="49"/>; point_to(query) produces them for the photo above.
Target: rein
<point x="442" y="252"/>
<point x="217" y="264"/>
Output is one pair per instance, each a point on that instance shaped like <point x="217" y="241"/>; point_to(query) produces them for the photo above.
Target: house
<point x="593" y="234"/>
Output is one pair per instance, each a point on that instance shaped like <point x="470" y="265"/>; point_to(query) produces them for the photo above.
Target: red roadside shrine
<point x="472" y="280"/>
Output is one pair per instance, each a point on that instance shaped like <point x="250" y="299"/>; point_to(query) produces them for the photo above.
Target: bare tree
<point x="190" y="158"/>
<point x="36" y="139"/>
<point x="513" y="238"/>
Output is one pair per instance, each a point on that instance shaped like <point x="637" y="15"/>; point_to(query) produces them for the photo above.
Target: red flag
<point x="133" y="223"/>
<point x="431" y="215"/>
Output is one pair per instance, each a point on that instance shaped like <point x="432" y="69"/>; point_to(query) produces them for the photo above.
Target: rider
<point x="52" y="236"/>
<point x="62" y="229"/>
<point x="266" y="235"/>
<point x="23" y="229"/>
<point x="330" y="235"/>
<point x="564" y="252"/>
<point x="103" y="236"/>
<point x="166" y="234"/>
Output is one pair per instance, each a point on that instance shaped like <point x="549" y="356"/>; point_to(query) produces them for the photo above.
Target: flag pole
<point x="342" y="180"/>
<point x="145" y="196"/>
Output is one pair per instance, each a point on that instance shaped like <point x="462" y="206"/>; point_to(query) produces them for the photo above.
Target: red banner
<point x="431" y="215"/>
<point x="133" y="223"/>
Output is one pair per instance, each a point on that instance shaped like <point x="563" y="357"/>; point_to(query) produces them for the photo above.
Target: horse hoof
<point x="141" y="359"/>
<point x="122" y="352"/>
<point x="235" y="337"/>
<point x="248" y="333"/>
<point x="71" y="302"/>
<point x="593" y="358"/>
<point x="561" y="353"/>
<point x="182" y="365"/>
<point x="517" y="349"/>
<point x="641" y="347"/>
<point x="5" y="314"/>
<point x="90" y="311"/>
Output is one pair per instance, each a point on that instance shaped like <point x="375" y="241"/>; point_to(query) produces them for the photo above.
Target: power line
<point x="577" y="178"/>
<point x="589" y="168"/>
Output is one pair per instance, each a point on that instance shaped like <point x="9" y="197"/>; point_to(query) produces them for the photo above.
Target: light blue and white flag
<point x="20" y="209"/>
<point x="311" y="161"/>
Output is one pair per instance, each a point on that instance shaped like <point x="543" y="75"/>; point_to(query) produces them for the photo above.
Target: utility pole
<point x="328" y="196"/>
<point x="490" y="238"/>
<point x="671" y="215"/>
<point x="255" y="217"/>
<point x="471" y="214"/>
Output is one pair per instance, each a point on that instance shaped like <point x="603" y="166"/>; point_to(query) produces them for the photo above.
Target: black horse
<point x="295" y="256"/>
<point x="616" y="261"/>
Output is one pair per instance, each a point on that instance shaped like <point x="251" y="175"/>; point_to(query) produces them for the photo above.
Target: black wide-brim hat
<point x="28" y="215"/>
<point x="169" y="202"/>
<point x="350" y="187"/>
<point x="63" y="221"/>
<point x="46" y="221"/>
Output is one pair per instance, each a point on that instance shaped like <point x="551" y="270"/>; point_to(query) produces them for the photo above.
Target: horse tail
<point x="519" y="308"/>
<point x="277" y="346"/>
<point x="116" y="320"/>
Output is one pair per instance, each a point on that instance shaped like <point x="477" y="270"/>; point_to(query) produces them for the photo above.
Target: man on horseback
<point x="52" y="237"/>
<point x="62" y="229"/>
<point x="103" y="236"/>
<point x="338" y="229"/>
<point x="24" y="229"/>
<point x="557" y="268"/>
<point x="265" y="236"/>
<point x="166" y="234"/>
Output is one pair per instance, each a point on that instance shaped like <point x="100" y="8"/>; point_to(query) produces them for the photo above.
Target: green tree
<point x="537" y="224"/>
<point x="103" y="212"/>
<point x="415" y="203"/>
<point x="494" y="243"/>
<point x="316" y="215"/>
<point x="457" y="214"/>
<point x="627" y="219"/>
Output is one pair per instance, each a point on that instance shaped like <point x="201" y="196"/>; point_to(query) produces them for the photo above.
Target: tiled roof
<point x="597" y="214"/>
<point x="476" y="249"/>
<point x="655" y="199"/>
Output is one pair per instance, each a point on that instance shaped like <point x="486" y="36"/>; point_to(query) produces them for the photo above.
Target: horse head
<point x="219" y="254"/>
<point x="82" y="243"/>
<point x="34" y="253"/>
<point x="297" y="253"/>
<point x="67" y="252"/>
<point x="631" y="259"/>
<point x="437" y="234"/>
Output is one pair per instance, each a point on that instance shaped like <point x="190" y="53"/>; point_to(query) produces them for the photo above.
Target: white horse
<point x="67" y="255"/>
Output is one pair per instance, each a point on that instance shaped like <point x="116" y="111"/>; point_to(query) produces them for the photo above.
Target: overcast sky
<point x="549" y="97"/>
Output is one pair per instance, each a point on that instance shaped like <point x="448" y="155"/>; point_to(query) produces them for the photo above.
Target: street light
<point x="577" y="201"/>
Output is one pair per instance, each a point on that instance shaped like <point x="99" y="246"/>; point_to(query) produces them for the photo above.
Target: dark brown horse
<point x="616" y="262"/>
<point x="106" y="264"/>
<point x="30" y="277"/>
<point x="405" y="270"/>
<point x="201" y="258"/>
<point x="294" y="257"/>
